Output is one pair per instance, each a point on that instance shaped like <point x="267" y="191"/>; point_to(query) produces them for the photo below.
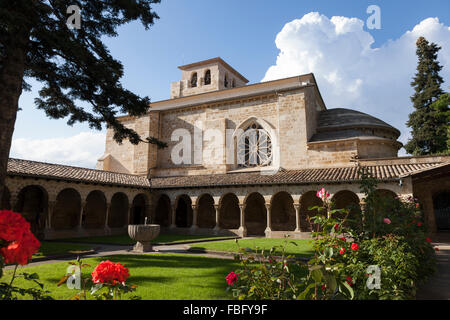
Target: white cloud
<point x="350" y="72"/>
<point x="81" y="150"/>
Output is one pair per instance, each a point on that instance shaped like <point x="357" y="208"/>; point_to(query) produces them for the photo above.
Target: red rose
<point x="428" y="240"/>
<point x="437" y="249"/>
<point x="419" y="224"/>
<point x="336" y="226"/>
<point x="110" y="273"/>
<point x="354" y="246"/>
<point x="21" y="243"/>
<point x="349" y="280"/>
<point x="343" y="238"/>
<point x="342" y="251"/>
<point x="231" y="278"/>
<point x="323" y="287"/>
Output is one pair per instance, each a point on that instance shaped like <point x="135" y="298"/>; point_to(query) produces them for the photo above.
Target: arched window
<point x="225" y="81"/>
<point x="254" y="147"/>
<point x="208" y="77"/>
<point x="194" y="80"/>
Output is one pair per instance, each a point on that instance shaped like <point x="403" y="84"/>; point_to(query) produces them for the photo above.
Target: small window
<point x="208" y="77"/>
<point x="225" y="81"/>
<point x="233" y="83"/>
<point x="194" y="80"/>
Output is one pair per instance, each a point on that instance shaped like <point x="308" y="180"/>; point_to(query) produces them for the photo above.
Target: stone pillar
<point x="268" y="231"/>
<point x="80" y="223"/>
<point x="172" y="220"/>
<point x="194" y="226"/>
<point x="50" y="207"/>
<point x="242" y="229"/>
<point x="108" y="209"/>
<point x="130" y="212"/>
<point x="217" y="227"/>
<point x="297" y="217"/>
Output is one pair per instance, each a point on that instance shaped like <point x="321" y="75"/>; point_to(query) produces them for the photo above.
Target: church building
<point x="243" y="159"/>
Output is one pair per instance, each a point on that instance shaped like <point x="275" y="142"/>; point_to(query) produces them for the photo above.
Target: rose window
<point x="254" y="148"/>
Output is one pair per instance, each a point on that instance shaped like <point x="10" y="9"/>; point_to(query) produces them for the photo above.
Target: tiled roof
<point x="329" y="175"/>
<point x="26" y="168"/>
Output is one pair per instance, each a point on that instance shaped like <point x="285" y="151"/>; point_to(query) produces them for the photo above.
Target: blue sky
<point x="241" y="32"/>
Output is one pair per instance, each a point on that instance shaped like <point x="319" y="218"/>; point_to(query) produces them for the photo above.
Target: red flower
<point x="419" y="224"/>
<point x="354" y="246"/>
<point x="437" y="249"/>
<point x="343" y="238"/>
<point x="342" y="251"/>
<point x="322" y="194"/>
<point x="417" y="205"/>
<point x="349" y="280"/>
<point x="21" y="243"/>
<point x="231" y="278"/>
<point x="336" y="226"/>
<point x="428" y="240"/>
<point x="323" y="287"/>
<point x="110" y="273"/>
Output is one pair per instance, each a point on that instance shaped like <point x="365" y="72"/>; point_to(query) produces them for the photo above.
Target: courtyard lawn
<point x="48" y="249"/>
<point x="125" y="239"/>
<point x="303" y="247"/>
<point x="158" y="276"/>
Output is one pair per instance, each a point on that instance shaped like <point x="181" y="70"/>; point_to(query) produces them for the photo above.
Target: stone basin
<point x="143" y="234"/>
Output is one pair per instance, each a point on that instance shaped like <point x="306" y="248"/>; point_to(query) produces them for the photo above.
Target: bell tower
<point x="205" y="76"/>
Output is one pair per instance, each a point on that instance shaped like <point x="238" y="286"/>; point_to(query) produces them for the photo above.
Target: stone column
<point x="194" y="226"/>
<point x="108" y="209"/>
<point x="50" y="207"/>
<point x="297" y="217"/>
<point x="130" y="212"/>
<point x="173" y="213"/>
<point x="268" y="231"/>
<point x="80" y="223"/>
<point x="242" y="229"/>
<point x="217" y="227"/>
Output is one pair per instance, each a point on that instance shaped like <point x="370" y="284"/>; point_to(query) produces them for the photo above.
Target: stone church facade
<point x="242" y="159"/>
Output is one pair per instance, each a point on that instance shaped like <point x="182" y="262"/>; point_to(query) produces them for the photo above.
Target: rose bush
<point x="388" y="233"/>
<point x="17" y="246"/>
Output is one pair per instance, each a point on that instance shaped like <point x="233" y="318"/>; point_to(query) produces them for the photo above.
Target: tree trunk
<point x="12" y="66"/>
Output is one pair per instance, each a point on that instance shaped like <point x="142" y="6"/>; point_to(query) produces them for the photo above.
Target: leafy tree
<point x="442" y="114"/>
<point x="73" y="64"/>
<point x="428" y="130"/>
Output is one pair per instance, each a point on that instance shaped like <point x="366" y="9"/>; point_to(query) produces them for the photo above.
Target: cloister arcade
<point x="63" y="209"/>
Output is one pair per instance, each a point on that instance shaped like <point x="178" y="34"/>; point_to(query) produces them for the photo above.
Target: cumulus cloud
<point x="81" y="150"/>
<point x="350" y="72"/>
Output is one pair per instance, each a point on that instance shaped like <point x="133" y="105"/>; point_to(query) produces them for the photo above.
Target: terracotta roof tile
<point x="26" y="168"/>
<point x="42" y="170"/>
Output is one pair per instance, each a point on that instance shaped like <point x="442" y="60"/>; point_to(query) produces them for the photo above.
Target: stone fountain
<point x="143" y="234"/>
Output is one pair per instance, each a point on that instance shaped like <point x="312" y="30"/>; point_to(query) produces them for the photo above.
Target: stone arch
<point x="118" y="212"/>
<point x="183" y="212"/>
<point x="308" y="199"/>
<point x="206" y="213"/>
<point x="138" y="209"/>
<point x="282" y="212"/>
<point x="346" y="199"/>
<point x="207" y="77"/>
<point x="441" y="204"/>
<point x="66" y="214"/>
<point x="32" y="203"/>
<point x="229" y="212"/>
<point x="5" y="201"/>
<point x="268" y="128"/>
<point x="194" y="79"/>
<point x="94" y="213"/>
<point x="386" y="193"/>
<point x="255" y="214"/>
<point x="162" y="211"/>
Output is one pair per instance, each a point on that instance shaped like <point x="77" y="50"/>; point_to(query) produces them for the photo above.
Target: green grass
<point x="125" y="239"/>
<point x="158" y="276"/>
<point x="56" y="248"/>
<point x="304" y="247"/>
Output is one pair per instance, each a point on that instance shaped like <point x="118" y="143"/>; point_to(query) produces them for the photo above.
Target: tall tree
<point x="42" y="40"/>
<point x="427" y="134"/>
